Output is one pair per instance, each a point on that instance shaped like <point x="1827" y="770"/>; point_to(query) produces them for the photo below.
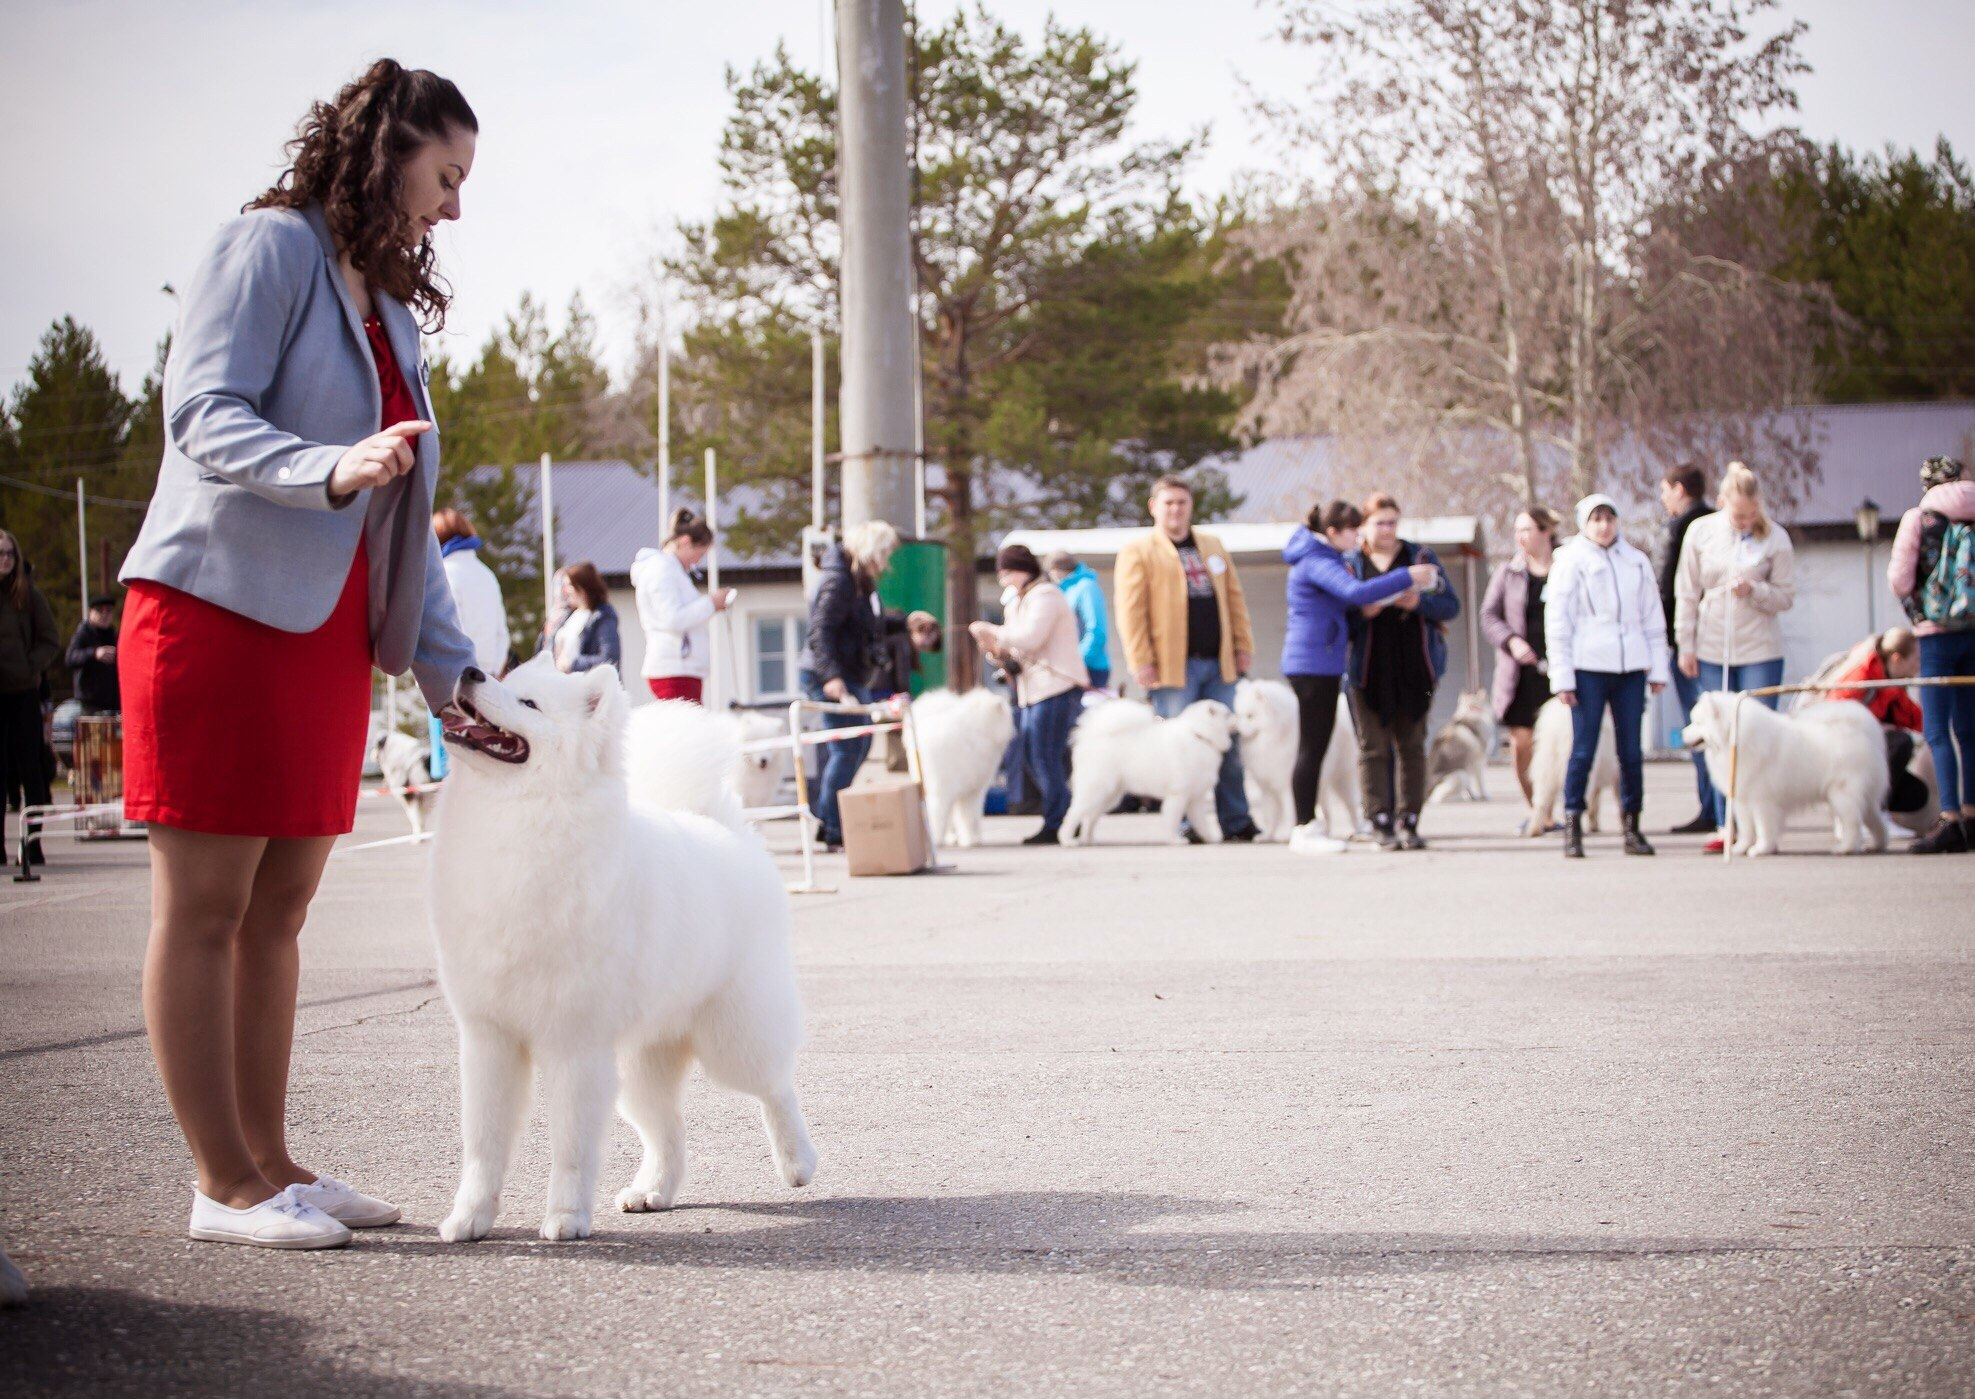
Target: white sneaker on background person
<point x="1310" y="839"/>
<point x="284" y="1221"/>
<point x="347" y="1205"/>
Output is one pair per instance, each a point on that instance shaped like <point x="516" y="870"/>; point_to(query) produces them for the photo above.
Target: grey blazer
<point x="270" y="379"/>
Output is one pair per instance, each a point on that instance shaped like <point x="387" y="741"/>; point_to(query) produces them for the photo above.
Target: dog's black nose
<point x="472" y="675"/>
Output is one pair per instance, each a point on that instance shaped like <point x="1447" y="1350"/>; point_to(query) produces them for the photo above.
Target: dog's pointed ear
<point x="602" y="688"/>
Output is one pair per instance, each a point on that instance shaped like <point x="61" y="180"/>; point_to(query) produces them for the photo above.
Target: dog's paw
<point x="560" y="1225"/>
<point x="635" y="1201"/>
<point x="464" y="1226"/>
<point x="800" y="1170"/>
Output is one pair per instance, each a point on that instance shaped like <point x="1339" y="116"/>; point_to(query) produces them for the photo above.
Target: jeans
<point x="1203" y="681"/>
<point x="1752" y="676"/>
<point x="1100" y="677"/>
<point x="1687" y="691"/>
<point x="840" y="760"/>
<point x="1948" y="714"/>
<point x="1046" y="739"/>
<point x="1625" y="692"/>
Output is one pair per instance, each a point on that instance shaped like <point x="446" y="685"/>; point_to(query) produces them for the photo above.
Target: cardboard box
<point x="884" y="826"/>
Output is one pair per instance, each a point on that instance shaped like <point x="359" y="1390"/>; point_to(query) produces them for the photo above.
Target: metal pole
<point x="816" y="419"/>
<point x="82" y="546"/>
<point x="546" y="496"/>
<point x="1871" y="607"/>
<point x="664" y="425"/>
<point x="876" y="392"/>
<point x="717" y="628"/>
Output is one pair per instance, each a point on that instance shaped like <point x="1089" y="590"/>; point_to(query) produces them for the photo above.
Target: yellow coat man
<point x="1184" y="625"/>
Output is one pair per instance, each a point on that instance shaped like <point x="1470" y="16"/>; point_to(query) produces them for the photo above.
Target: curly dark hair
<point x="348" y="156"/>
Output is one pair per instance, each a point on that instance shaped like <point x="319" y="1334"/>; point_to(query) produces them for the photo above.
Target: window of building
<point x="777" y="653"/>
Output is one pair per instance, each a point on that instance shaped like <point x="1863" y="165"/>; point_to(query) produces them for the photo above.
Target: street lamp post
<point x="1866" y="517"/>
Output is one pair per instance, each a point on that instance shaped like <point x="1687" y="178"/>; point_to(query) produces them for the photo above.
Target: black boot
<point x="1702" y="825"/>
<point x="1409" y="832"/>
<point x="1949" y="837"/>
<point x="1635" y="843"/>
<point x="1388" y="839"/>
<point x="1574" y="836"/>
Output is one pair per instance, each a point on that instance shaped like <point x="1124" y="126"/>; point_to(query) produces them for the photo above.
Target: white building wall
<point x="740" y="671"/>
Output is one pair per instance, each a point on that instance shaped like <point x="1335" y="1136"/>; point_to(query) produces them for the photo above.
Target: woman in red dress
<point x="276" y="563"/>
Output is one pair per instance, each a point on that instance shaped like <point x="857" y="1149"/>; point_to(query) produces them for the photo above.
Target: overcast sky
<point x="130" y="131"/>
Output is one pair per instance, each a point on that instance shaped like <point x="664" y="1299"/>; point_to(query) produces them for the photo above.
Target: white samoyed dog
<point x="961" y="742"/>
<point x="758" y="776"/>
<point x="1266" y="719"/>
<point x="605" y="940"/>
<point x="1121" y="746"/>
<point x="1549" y="764"/>
<point x="1831" y="752"/>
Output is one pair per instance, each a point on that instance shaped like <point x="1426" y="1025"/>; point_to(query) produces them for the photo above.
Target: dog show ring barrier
<point x="1813" y="687"/>
<point x="800" y="738"/>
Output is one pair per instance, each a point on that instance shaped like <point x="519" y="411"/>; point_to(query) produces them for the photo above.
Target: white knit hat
<point x="1592" y="502"/>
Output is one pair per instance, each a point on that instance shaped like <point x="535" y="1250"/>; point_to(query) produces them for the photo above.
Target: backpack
<point x="1945" y="596"/>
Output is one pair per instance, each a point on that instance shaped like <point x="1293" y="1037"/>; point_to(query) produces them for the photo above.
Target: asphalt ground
<point x="1132" y="1119"/>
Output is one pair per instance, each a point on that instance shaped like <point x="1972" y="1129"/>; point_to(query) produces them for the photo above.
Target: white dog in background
<point x="961" y="742"/>
<point x="758" y="777"/>
<point x="1549" y="763"/>
<point x="1458" y="755"/>
<point x="406" y="765"/>
<point x="605" y="942"/>
<point x="1266" y="719"/>
<point x="1121" y="746"/>
<point x="1831" y="752"/>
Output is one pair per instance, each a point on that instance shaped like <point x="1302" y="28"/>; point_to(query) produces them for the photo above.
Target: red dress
<point x="233" y="727"/>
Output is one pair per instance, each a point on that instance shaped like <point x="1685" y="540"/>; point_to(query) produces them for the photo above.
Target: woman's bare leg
<point x="201" y="888"/>
<point x="266" y="974"/>
<point x="1522" y="742"/>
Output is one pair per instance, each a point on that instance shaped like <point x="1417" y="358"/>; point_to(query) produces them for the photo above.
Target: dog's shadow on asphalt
<point x="1129" y="1238"/>
<point x="103" y="1340"/>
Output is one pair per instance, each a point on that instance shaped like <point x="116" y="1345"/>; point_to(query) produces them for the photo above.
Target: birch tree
<point x="1500" y="242"/>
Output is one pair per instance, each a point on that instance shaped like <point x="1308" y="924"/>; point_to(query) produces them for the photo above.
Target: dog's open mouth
<point x="468" y="727"/>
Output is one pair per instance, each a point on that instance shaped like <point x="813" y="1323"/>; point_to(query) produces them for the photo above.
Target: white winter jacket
<point x="1705" y="607"/>
<point x="1602" y="611"/>
<point x="673" y="614"/>
<point x="482" y="614"/>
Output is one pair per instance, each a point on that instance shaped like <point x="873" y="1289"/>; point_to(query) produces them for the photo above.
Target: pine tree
<point x="67" y="423"/>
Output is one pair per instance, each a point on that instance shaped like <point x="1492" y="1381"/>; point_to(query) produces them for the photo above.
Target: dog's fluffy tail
<point x="680" y="757"/>
<point x="1112" y="719"/>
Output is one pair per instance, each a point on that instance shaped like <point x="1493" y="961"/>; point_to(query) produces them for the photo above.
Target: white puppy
<point x="1830" y="752"/>
<point x="606" y="943"/>
<point x="1458" y="756"/>
<point x="961" y="742"/>
<point x="1549" y="764"/>
<point x="1121" y="746"/>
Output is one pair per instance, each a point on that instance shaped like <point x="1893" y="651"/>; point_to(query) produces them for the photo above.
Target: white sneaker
<point x="1309" y="839"/>
<point x="347" y="1205"/>
<point x="286" y="1221"/>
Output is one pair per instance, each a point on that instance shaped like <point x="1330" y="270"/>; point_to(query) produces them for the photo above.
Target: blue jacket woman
<point x="1322" y="590"/>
